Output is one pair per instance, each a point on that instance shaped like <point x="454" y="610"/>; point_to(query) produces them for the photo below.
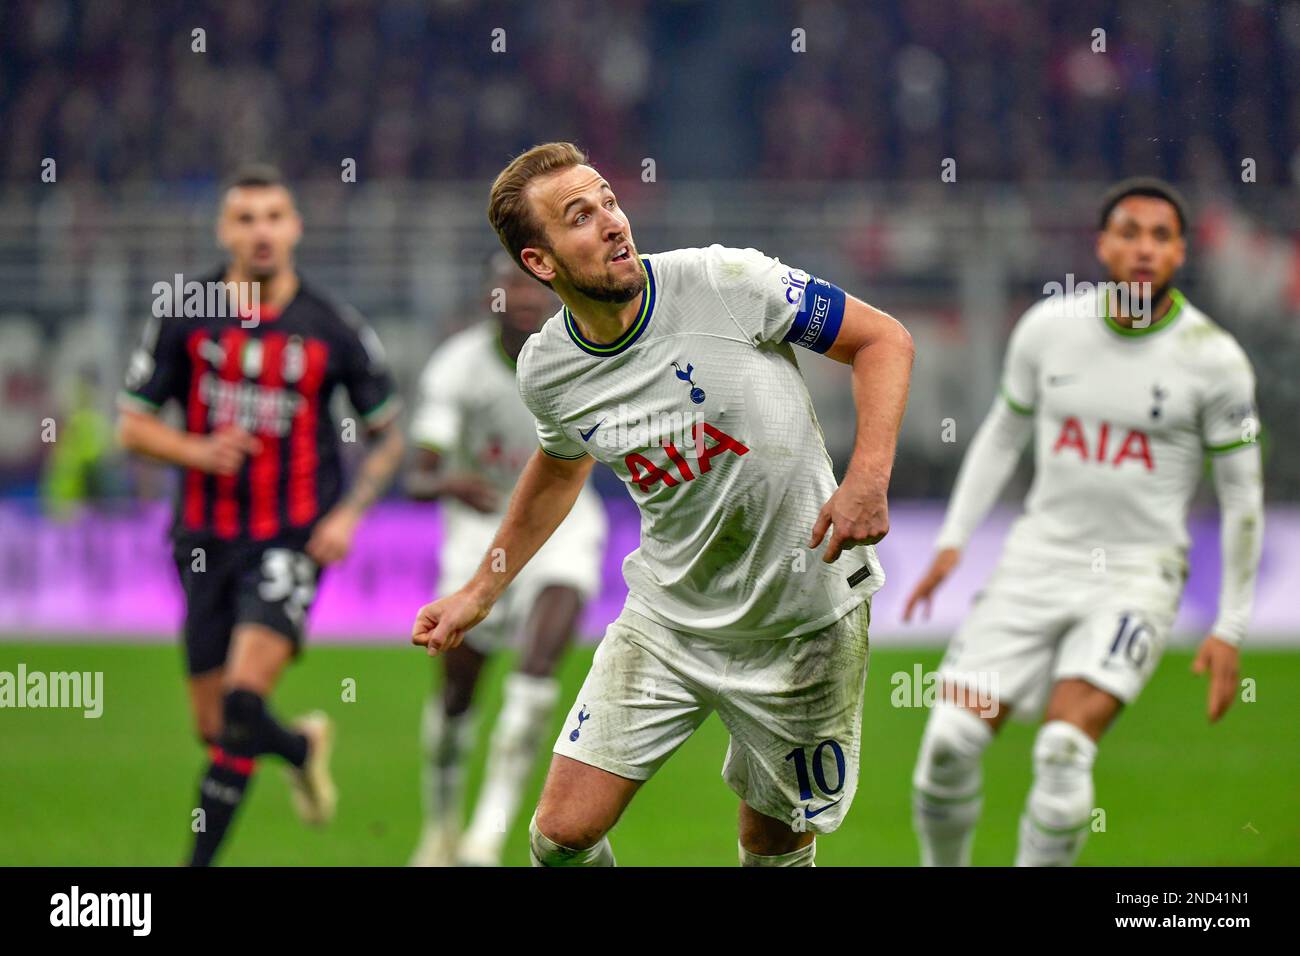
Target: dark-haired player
<point x="261" y="505"/>
<point x="1125" y="394"/>
<point x="474" y="436"/>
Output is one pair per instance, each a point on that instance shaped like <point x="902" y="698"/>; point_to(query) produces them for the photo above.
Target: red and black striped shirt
<point x="275" y="380"/>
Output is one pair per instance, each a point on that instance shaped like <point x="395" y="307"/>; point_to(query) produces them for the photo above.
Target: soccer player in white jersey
<point x="676" y="370"/>
<point x="1124" y="405"/>
<point x="474" y="437"/>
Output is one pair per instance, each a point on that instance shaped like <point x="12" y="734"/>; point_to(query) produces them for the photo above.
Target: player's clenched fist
<point x="440" y="626"/>
<point x="223" y="451"/>
<point x="858" y="513"/>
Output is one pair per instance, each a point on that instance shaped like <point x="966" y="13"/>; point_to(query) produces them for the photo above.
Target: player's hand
<point x="1220" y="659"/>
<point x="331" y="539"/>
<point x="223" y="451"/>
<point x="440" y="626"/>
<point x="940" y="568"/>
<point x="859" y="514"/>
<point x="474" y="491"/>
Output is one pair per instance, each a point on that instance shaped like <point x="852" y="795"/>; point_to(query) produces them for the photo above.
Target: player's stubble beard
<point x="1147" y="306"/>
<point x="600" y="287"/>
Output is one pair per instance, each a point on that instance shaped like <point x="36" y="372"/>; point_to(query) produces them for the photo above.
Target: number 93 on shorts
<point x="231" y="583"/>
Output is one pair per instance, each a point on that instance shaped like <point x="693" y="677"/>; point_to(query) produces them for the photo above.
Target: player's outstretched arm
<point x="880" y="351"/>
<point x="542" y="498"/>
<point x="984" y="471"/>
<point x="220" y="453"/>
<point x="1239" y="485"/>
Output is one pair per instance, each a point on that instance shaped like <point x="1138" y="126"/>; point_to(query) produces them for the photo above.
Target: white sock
<point x="1059" y="809"/>
<point x="544" y="851"/>
<point x="946" y="784"/>
<point x="446" y="740"/>
<point x="516" y="740"/>
<point x="801" y="857"/>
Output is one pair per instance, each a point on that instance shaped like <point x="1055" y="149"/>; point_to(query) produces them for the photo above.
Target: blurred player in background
<point x="1124" y="405"/>
<point x="676" y="370"/>
<point x="474" y="436"/>
<point x="261" y="505"/>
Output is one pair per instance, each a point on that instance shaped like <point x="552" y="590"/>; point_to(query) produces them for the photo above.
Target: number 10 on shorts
<point x="826" y="788"/>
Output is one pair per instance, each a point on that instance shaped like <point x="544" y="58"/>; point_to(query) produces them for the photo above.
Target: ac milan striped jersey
<point x="273" y="379"/>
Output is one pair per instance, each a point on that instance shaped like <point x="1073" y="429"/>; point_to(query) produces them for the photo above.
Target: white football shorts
<point x="793" y="707"/>
<point x="1037" y="623"/>
<point x="572" y="557"/>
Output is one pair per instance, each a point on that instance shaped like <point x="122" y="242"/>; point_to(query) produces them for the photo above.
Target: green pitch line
<point x="119" y="790"/>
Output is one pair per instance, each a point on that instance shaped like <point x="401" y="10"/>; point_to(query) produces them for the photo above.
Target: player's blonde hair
<point x="508" y="209"/>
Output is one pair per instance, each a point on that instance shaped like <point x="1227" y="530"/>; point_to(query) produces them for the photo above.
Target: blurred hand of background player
<point x="440" y="626"/>
<point x="331" y="539"/>
<point x="940" y="568"/>
<point x="1221" y="660"/>
<point x="223" y="451"/>
<point x="425" y="482"/>
<point x="858" y="512"/>
<point x="474" y="491"/>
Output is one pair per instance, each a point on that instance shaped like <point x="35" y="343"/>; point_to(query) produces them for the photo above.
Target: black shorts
<point x="227" y="583"/>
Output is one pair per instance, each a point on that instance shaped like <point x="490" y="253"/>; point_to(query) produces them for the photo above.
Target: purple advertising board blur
<point x="111" y="575"/>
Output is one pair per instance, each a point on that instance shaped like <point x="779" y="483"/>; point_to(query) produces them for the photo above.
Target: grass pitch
<point x="119" y="790"/>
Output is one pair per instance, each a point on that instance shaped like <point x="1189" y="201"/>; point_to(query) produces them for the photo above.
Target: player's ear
<point x="1180" y="254"/>
<point x="220" y="230"/>
<point x="536" y="261"/>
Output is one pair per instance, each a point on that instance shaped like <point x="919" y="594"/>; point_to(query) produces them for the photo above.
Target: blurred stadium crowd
<point x="412" y="88"/>
<point x="829" y="159"/>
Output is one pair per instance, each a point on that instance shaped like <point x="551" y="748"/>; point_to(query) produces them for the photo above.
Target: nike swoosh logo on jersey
<point x="809" y="813"/>
<point x="586" y="436"/>
<point x="1060" y="379"/>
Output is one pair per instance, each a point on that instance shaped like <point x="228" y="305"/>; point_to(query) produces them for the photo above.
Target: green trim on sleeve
<point x="1015" y="405"/>
<point x="562" y="457"/>
<point x="387" y="407"/>
<point x="131" y="398"/>
<point x="1230" y="446"/>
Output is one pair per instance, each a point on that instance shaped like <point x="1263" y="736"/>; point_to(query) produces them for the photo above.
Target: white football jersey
<point x="701" y="410"/>
<point x="469" y="411"/>
<point x="1123" y="420"/>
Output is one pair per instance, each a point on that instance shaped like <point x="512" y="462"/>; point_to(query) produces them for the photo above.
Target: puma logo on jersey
<point x="645" y="473"/>
<point x="1135" y="446"/>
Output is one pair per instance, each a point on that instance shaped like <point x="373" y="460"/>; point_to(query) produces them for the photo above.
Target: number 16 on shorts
<point x="828" y="781"/>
